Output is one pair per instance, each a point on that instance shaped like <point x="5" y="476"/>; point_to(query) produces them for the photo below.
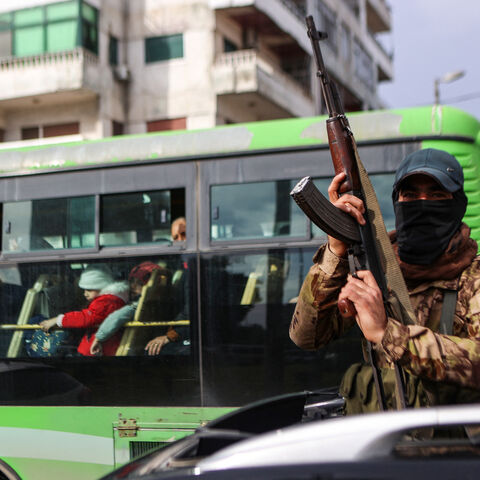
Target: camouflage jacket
<point x="454" y="359"/>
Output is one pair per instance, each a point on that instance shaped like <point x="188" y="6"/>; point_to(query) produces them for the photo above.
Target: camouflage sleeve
<point x="316" y="320"/>
<point x="451" y="358"/>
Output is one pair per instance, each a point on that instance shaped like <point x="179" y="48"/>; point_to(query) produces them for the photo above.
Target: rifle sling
<point x="395" y="281"/>
<point x="448" y="312"/>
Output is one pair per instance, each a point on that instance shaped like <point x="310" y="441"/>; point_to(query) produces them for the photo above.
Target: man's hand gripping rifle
<point x="364" y="252"/>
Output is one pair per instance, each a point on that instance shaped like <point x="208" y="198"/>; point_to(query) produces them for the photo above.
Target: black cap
<point x="440" y="165"/>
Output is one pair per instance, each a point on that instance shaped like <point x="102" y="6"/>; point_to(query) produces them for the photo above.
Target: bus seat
<point x="277" y="269"/>
<point x="149" y="309"/>
<point x="26" y="312"/>
<point x="250" y="291"/>
<point x="177" y="276"/>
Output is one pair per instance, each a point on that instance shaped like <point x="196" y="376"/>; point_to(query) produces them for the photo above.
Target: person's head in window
<point x="179" y="230"/>
<point x="139" y="276"/>
<point x="93" y="281"/>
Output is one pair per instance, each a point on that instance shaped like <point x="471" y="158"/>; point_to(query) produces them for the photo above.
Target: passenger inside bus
<point x="181" y="342"/>
<point x="179" y="229"/>
<point x="105" y="296"/>
<point x="138" y="278"/>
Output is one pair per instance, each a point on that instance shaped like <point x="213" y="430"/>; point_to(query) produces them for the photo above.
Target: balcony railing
<point x="70" y="56"/>
<point x="252" y="57"/>
<point x="242" y="58"/>
<point x="50" y="73"/>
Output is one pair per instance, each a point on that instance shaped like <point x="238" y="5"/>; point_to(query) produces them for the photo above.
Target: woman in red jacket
<point x="105" y="296"/>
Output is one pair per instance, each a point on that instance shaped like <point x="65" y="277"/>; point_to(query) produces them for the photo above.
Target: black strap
<point x="448" y="312"/>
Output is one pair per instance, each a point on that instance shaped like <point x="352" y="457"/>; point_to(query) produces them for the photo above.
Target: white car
<point x="355" y="439"/>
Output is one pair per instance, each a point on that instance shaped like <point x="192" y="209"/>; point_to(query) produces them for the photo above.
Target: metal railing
<point x="78" y="54"/>
<point x="253" y="58"/>
<point x="172" y="323"/>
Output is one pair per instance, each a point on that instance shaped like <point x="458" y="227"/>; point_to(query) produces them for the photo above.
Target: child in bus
<point x="105" y="296"/>
<point x="138" y="277"/>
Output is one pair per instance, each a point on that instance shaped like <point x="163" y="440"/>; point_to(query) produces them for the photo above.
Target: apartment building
<point x="86" y="69"/>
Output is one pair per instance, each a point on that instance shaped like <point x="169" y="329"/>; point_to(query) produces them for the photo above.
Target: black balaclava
<point x="425" y="227"/>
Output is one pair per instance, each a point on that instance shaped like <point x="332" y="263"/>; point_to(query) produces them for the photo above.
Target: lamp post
<point x="447" y="78"/>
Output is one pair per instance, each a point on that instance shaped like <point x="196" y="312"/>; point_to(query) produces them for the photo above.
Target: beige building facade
<point x="87" y="69"/>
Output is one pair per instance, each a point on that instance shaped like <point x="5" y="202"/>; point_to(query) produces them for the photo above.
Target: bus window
<point x="158" y="310"/>
<point x="382" y="183"/>
<point x="139" y="217"/>
<point x="49" y="224"/>
<point x="247" y="309"/>
<point x="255" y="210"/>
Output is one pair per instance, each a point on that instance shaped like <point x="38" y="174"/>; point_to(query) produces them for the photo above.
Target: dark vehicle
<point x="247" y="422"/>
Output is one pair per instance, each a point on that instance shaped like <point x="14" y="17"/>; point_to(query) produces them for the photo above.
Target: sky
<point x="431" y="38"/>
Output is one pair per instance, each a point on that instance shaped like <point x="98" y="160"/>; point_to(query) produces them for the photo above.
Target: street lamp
<point x="447" y="78"/>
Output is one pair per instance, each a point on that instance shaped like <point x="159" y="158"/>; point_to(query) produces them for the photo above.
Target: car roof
<point x="345" y="439"/>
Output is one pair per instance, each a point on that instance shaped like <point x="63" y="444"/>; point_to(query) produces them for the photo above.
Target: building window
<point x="117" y="128"/>
<point x="61" y="129"/>
<point x="167" y="47"/>
<point x="168" y="124"/>
<point x="89" y="30"/>
<point x="5" y="34"/>
<point x="55" y="130"/>
<point x="345" y="47"/>
<point x="49" y="28"/>
<point x="29" y="133"/>
<point x="363" y="65"/>
<point x="113" y="51"/>
<point x="328" y="24"/>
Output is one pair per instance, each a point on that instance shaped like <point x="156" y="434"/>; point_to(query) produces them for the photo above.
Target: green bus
<point x="228" y="290"/>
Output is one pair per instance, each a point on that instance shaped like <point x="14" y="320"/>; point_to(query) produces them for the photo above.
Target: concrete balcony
<point x="282" y="23"/>
<point x="248" y="72"/>
<point x="378" y="16"/>
<point x="52" y="78"/>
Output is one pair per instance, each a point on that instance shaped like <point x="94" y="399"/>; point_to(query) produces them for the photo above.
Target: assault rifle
<point x="364" y="252"/>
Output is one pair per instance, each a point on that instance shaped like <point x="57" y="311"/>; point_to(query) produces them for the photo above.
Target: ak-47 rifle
<point x="363" y="249"/>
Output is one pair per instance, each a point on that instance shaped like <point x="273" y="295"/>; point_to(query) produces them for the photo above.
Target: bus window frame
<point x="98" y="181"/>
<point x="271" y="166"/>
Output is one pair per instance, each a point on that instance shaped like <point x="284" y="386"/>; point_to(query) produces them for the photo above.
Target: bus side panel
<point x="86" y="442"/>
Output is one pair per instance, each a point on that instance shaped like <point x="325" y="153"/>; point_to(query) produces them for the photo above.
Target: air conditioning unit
<point x="122" y="73"/>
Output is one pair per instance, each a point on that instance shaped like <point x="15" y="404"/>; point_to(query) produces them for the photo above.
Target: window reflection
<point x="140" y="217"/>
<point x="247" y="305"/>
<point x="382" y="183"/>
<point x="152" y="296"/>
<point x="254" y="211"/>
<point x="49" y="224"/>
